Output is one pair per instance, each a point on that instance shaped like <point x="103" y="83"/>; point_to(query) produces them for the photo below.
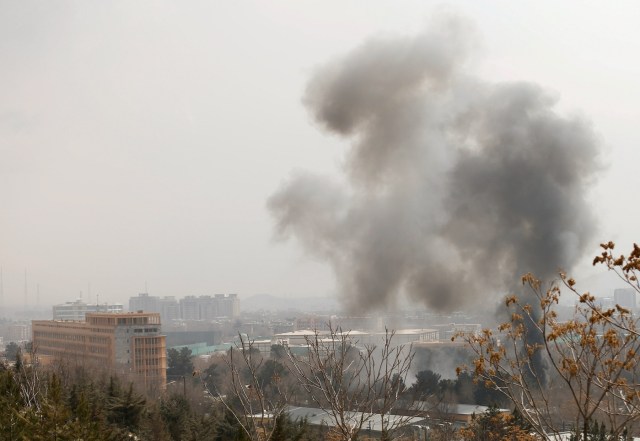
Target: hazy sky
<point x="139" y="141"/>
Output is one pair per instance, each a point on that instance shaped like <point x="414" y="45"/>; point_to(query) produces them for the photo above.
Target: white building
<point x="359" y="338"/>
<point x="625" y="297"/>
<point x="76" y="310"/>
<point x="168" y="306"/>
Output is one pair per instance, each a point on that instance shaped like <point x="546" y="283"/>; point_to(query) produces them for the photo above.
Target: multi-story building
<point x="169" y="309"/>
<point x="144" y="302"/>
<point x="167" y="306"/>
<point x="18" y="332"/>
<point x="76" y="310"/>
<point x="190" y="308"/>
<point x="625" y="297"/>
<point x="205" y="308"/>
<point x="208" y="308"/>
<point x="228" y="306"/>
<point x="130" y="343"/>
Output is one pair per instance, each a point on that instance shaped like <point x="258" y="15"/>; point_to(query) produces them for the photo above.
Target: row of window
<point x="145" y="330"/>
<point x="149" y="351"/>
<point x="59" y="336"/>
<point x="44" y="345"/>
<point x="148" y="361"/>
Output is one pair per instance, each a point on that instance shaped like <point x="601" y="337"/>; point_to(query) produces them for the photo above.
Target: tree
<point x="278" y="352"/>
<point x="124" y="408"/>
<point x="175" y="412"/>
<point x="342" y="378"/>
<point x="254" y="396"/>
<point x="179" y="362"/>
<point x="494" y="425"/>
<point x="11" y="351"/>
<point x="591" y="357"/>
<point x="427" y="383"/>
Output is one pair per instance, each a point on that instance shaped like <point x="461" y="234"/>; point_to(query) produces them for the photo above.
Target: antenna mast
<point x="1" y="288"/>
<point x="26" y="290"/>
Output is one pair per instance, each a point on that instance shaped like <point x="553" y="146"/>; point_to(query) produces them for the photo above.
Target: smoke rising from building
<point x="455" y="186"/>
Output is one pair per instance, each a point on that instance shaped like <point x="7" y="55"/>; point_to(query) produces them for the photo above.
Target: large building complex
<point x="209" y="308"/>
<point x="129" y="343"/>
<point x="76" y="310"/>
<point x="188" y="308"/>
<point x="625" y="297"/>
<point x="168" y="306"/>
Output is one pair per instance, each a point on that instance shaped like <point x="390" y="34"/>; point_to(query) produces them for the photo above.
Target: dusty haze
<point x="140" y="140"/>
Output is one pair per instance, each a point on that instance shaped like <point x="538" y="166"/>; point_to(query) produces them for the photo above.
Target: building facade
<point x="168" y="307"/>
<point x="76" y="310"/>
<point x="625" y="297"/>
<point x="129" y="343"/>
<point x="205" y="308"/>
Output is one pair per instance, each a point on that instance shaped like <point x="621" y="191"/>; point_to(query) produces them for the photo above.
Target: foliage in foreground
<point x="590" y="358"/>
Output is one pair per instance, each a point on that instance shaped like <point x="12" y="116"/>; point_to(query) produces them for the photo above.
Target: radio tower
<point x="1" y="289"/>
<point x="26" y="291"/>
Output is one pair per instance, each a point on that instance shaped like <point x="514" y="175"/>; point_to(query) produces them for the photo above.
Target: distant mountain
<point x="268" y="302"/>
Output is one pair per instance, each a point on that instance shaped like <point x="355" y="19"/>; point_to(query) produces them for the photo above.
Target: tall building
<point x="144" y="302"/>
<point x="77" y="310"/>
<point x="18" y="332"/>
<point x="169" y="309"/>
<point x="129" y="343"/>
<point x="228" y="306"/>
<point x="167" y="306"/>
<point x="625" y="297"/>
<point x="208" y="308"/>
<point x="190" y="308"/>
<point x="205" y="308"/>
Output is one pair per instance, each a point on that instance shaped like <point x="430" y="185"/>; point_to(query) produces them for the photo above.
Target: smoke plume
<point x="455" y="186"/>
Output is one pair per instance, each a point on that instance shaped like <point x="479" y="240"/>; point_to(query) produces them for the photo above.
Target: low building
<point x="129" y="343"/>
<point x="400" y="337"/>
<point x="372" y="423"/>
<point x="18" y="332"/>
<point x="449" y="412"/>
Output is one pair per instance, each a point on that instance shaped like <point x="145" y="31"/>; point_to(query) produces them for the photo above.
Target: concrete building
<point x="205" y="308"/>
<point x="168" y="306"/>
<point x="451" y="330"/>
<point x="18" y="332"/>
<point x="625" y="297"/>
<point x="129" y="343"/>
<point x="209" y="308"/>
<point x="357" y="338"/>
<point x="401" y="337"/>
<point x="228" y="306"/>
<point x="76" y="310"/>
<point x="190" y="308"/>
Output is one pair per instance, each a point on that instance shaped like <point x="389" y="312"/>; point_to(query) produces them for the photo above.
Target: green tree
<point x="427" y="384"/>
<point x="179" y="362"/>
<point x="287" y="430"/>
<point x="229" y="429"/>
<point x="278" y="352"/>
<point x="213" y="377"/>
<point x="125" y="409"/>
<point x="11" y="351"/>
<point x="14" y="424"/>
<point x="175" y="412"/>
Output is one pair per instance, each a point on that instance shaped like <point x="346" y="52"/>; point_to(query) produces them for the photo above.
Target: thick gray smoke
<point x="455" y="186"/>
